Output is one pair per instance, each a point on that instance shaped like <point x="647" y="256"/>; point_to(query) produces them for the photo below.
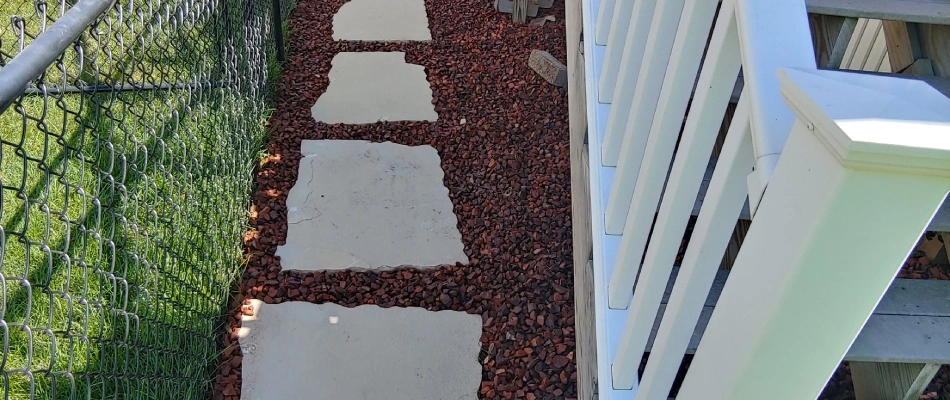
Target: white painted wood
<point x="638" y="136"/>
<point x="711" y="98"/>
<point x="604" y="18"/>
<point x="859" y="28"/>
<point x="940" y="83"/>
<point x="772" y="35"/>
<point x="903" y="337"/>
<point x="634" y="46"/>
<point x="846" y="204"/>
<point x="609" y="323"/>
<point x="863" y="50"/>
<point x="885" y="64"/>
<point x="878" y="53"/>
<point x="717" y="219"/>
<point x="626" y="17"/>
<point x="940" y="222"/>
<point x="873" y="36"/>
<point x="864" y="44"/>
<point x="714" y="291"/>
<point x="867" y="49"/>
<point x="841" y="40"/>
<point x="694" y="340"/>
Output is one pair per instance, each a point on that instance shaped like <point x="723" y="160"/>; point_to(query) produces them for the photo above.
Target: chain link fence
<point x="125" y="174"/>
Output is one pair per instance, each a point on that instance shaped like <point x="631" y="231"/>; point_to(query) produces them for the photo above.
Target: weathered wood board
<point x="910" y="324"/>
<point x="923" y="11"/>
<point x="584" y="318"/>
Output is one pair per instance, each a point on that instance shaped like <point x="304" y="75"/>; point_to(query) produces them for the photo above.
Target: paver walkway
<point x="299" y="350"/>
<point x="381" y="20"/>
<point x="373" y="87"/>
<point x="361" y="205"/>
<point x="364" y="205"/>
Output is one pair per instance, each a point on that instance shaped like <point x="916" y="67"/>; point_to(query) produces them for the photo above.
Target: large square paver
<point x="370" y="87"/>
<point x="367" y="205"/>
<point x="307" y="351"/>
<point x="382" y="20"/>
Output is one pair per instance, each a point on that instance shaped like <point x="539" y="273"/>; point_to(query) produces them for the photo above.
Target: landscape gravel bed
<point x="502" y="135"/>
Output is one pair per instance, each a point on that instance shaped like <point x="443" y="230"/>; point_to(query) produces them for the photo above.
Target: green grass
<point x="122" y="214"/>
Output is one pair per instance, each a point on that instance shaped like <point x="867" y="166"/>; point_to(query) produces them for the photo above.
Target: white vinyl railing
<point x="823" y="144"/>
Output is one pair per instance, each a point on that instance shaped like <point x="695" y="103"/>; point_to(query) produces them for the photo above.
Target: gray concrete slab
<point x="382" y="20"/>
<point x="375" y="86"/>
<point x="307" y="351"/>
<point x="362" y="205"/>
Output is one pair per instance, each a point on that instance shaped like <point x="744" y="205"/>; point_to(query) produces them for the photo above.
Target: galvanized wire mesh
<point x="125" y="172"/>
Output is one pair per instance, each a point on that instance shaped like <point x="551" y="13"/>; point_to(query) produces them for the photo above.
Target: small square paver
<point x="304" y="351"/>
<point x="368" y="87"/>
<point x="362" y="205"/>
<point x="382" y="20"/>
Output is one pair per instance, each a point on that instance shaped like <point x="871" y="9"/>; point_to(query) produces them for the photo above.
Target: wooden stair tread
<point x="908" y="325"/>
<point x="921" y="11"/>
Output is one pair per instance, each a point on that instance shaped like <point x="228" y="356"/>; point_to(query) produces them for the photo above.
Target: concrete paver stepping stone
<point x="299" y="350"/>
<point x="375" y="86"/>
<point x="367" y="205"/>
<point x="382" y="20"/>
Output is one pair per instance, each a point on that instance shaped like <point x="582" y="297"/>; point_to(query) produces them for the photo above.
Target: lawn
<point x="122" y="211"/>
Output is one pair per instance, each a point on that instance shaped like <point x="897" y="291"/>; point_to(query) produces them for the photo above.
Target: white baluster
<point x="631" y="18"/>
<point x="713" y="90"/>
<point x="638" y="131"/>
<point x="654" y="274"/>
<point x="604" y="18"/>
<point x="717" y="218"/>
<point x="633" y="51"/>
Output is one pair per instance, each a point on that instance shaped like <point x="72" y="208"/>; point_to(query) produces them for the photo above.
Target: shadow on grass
<point x="122" y="226"/>
<point x="139" y="279"/>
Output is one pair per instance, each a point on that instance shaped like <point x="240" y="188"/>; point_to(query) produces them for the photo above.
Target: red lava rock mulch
<point x="508" y="174"/>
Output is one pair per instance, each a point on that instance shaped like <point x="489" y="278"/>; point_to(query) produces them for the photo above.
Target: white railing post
<point x="864" y="169"/>
<point x="772" y="34"/>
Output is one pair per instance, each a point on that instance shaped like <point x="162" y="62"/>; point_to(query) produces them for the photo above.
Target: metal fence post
<point x="278" y="31"/>
<point x="35" y="58"/>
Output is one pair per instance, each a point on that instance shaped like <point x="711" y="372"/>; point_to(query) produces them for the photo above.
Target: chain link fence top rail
<point x="125" y="173"/>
